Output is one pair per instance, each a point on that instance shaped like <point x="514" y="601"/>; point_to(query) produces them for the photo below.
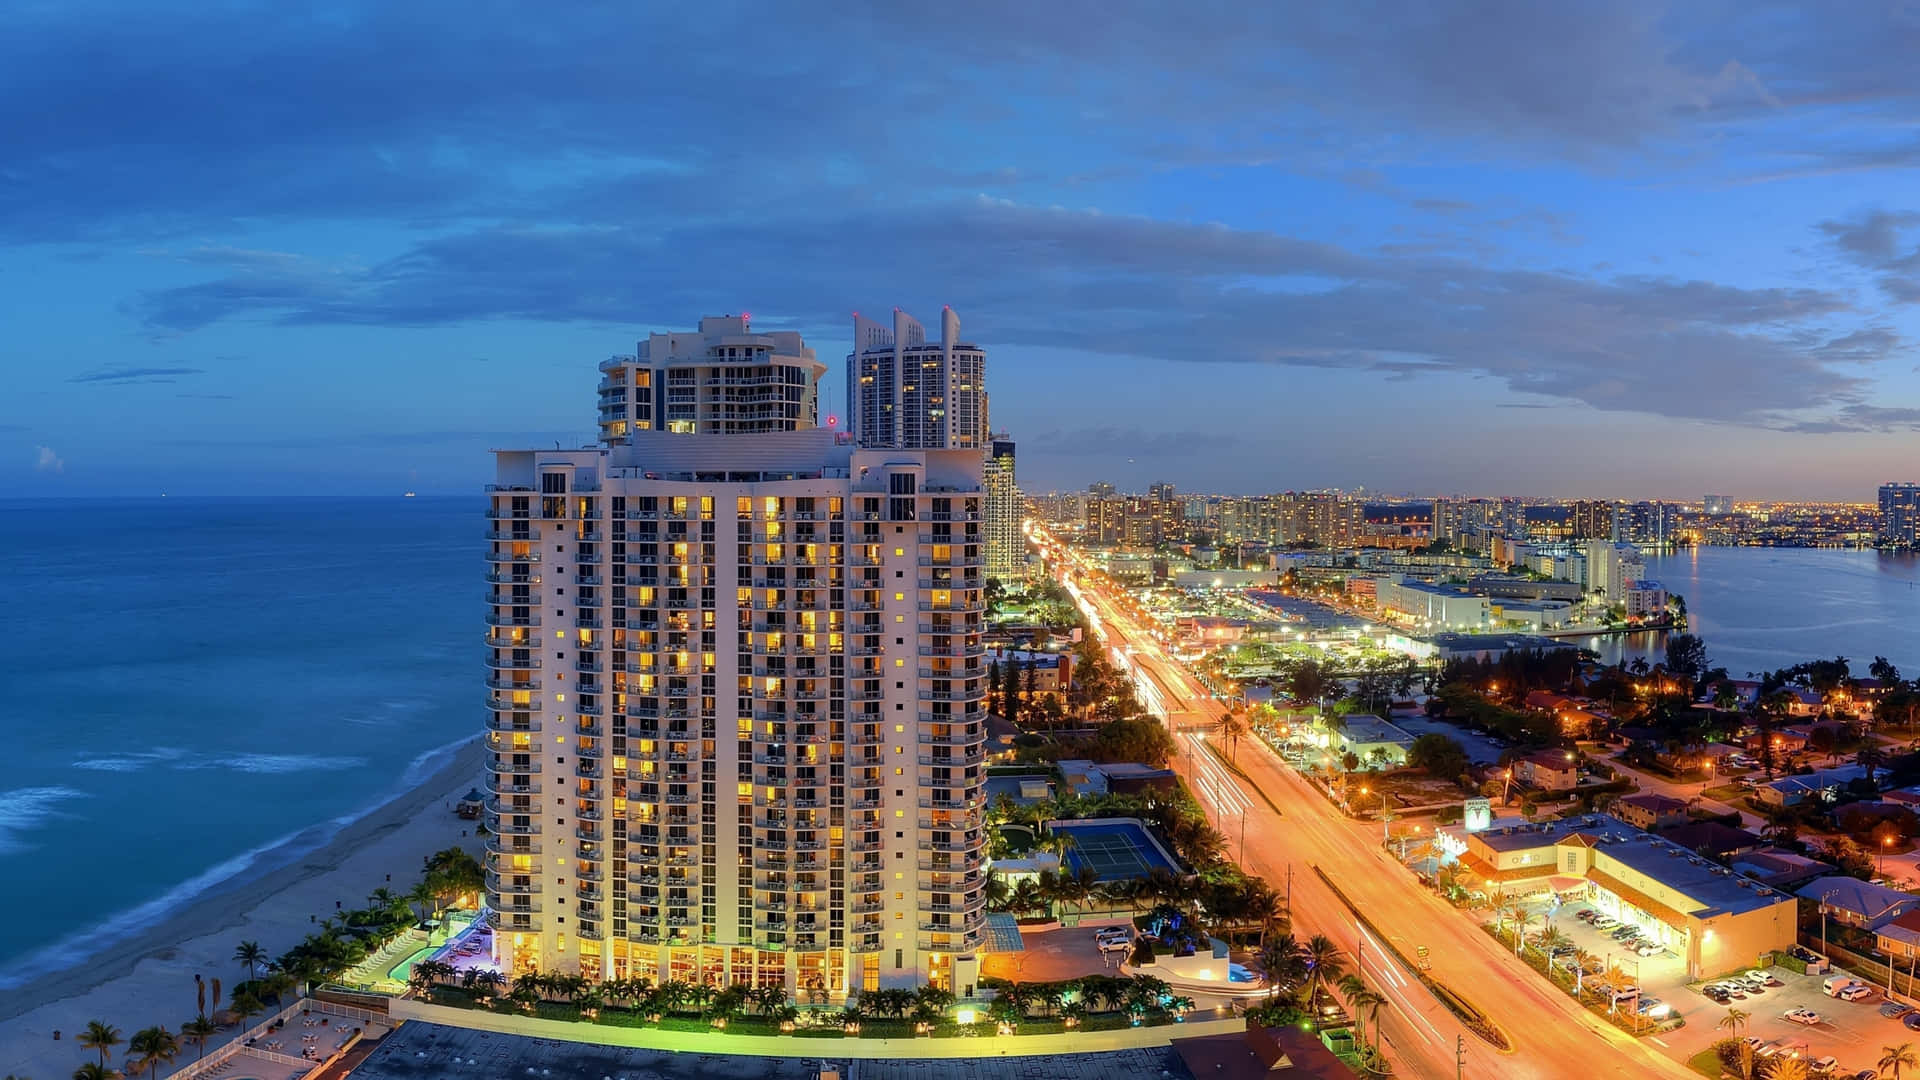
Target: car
<point x="1912" y="1020"/>
<point x="1893" y="1010"/>
<point x="1820" y="1066"/>
<point x="1802" y="1016"/>
<point x="1620" y="993"/>
<point x="1652" y="1006"/>
<point x="1649" y="949"/>
<point x="1754" y="978"/>
<point x="1716" y="995"/>
<point x="1855" y="992"/>
<point x="1865" y="1074"/>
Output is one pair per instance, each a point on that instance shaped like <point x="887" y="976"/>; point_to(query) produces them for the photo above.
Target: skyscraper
<point x="1900" y="513"/>
<point x="1718" y="505"/>
<point x="735" y="699"/>
<point x="904" y="392"/>
<point x="1006" y="545"/>
<point x="721" y="379"/>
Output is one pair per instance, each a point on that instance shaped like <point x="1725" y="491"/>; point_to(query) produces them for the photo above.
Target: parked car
<point x="1833" y="984"/>
<point x="1652" y="1006"/>
<point x="1855" y="992"/>
<point x="1912" y="1020"/>
<point x="1716" y="995"/>
<point x="1822" y="1066"/>
<point x="1894" y="1010"/>
<point x="1648" y="949"/>
<point x="1802" y="1016"/>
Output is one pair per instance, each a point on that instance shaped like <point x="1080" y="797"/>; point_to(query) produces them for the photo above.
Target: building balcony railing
<point x="508" y="883"/>
<point x="511" y="536"/>
<point x="508" y="663"/>
<point x="513" y="579"/>
<point x="496" y="619"/>
<point x="503" y="705"/>
<point x="529" y="766"/>
<point x="954" y="760"/>
<point x="510" y="684"/>
<point x="510" y="845"/>
<point x="510" y="557"/>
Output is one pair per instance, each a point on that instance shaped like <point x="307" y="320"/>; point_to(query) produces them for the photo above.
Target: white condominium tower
<point x="736" y="701"/>
<point x="1006" y="546"/>
<point x="722" y="379"/>
<point x="904" y="392"/>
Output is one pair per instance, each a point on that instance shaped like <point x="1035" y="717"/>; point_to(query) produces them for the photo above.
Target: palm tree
<point x="197" y="1031"/>
<point x="423" y="896"/>
<point x="1362" y="998"/>
<point x="1895" y="1058"/>
<point x="1232" y="726"/>
<point x="251" y="954"/>
<point x="1734" y="1022"/>
<point x="1552" y="938"/>
<point x="102" y="1036"/>
<point x="1325" y="964"/>
<point x="1522" y="918"/>
<point x="91" y="1071"/>
<point x="1787" y="1068"/>
<point x="156" y="1046"/>
<point x="1283" y="961"/>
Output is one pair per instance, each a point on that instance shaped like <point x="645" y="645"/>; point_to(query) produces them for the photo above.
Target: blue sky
<point x="1608" y="250"/>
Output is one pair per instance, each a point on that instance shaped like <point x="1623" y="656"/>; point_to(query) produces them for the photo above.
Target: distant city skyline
<point x="1230" y="248"/>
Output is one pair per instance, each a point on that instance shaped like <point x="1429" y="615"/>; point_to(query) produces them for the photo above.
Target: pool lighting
<point x="964" y="1016"/>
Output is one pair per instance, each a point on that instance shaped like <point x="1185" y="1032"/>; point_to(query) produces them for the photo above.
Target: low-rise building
<point x="1780" y="868"/>
<point x="1712" y="839"/>
<point x="1548" y="770"/>
<point x="1377" y="743"/>
<point x="1052" y="671"/>
<point x="1650" y="811"/>
<point x="1821" y="784"/>
<point x="1718" y="920"/>
<point x="1858" y="903"/>
<point x="1900" y="937"/>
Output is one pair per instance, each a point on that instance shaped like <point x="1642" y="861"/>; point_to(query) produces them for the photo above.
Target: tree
<point x="1441" y="755"/>
<point x="245" y="1006"/>
<point x="1687" y="659"/>
<point x="1895" y="1058"/>
<point x="1284" y="961"/>
<point x="92" y="1071"/>
<point x="1232" y="726"/>
<point x="1735" y="1021"/>
<point x="1884" y="670"/>
<point x="1140" y="738"/>
<point x="156" y="1046"/>
<point x="101" y="1036"/>
<point x="251" y="954"/>
<point x="197" y="1031"/>
<point x="1363" y="1000"/>
<point x="1325" y="964"/>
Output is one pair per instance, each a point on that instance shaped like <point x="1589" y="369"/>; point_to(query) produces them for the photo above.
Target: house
<point x="1900" y="937"/>
<point x="1051" y="671"/>
<point x="1821" y="784"/>
<point x="1785" y="740"/>
<point x="1577" y="716"/>
<point x="1779" y="867"/>
<point x="1858" y="903"/>
<point x="1650" y="811"/>
<point x="1908" y="797"/>
<point x="1712" y="839"/>
<point x="1548" y="770"/>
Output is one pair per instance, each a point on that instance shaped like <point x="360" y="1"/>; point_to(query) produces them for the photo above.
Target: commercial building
<point x="906" y="392"/>
<point x="1377" y="743"/>
<point x="1716" y="919"/>
<point x="735" y="701"/>
<point x="1436" y="606"/>
<point x="722" y="379"/>
<point x="1006" y="545"/>
<point x="1900" y="514"/>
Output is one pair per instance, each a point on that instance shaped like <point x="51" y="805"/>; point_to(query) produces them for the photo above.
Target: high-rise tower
<point x="735" y="691"/>
<point x="905" y="392"/>
<point x="1006" y="544"/>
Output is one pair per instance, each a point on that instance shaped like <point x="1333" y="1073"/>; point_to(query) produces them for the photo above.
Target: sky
<point x="1621" y="250"/>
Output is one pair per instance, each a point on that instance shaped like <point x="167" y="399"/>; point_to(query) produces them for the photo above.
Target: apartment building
<point x="904" y="391"/>
<point x="735" y="701"/>
<point x="722" y="379"/>
<point x="1006" y="544"/>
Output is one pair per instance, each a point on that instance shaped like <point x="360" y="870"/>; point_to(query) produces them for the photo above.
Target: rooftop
<point x="1856" y="897"/>
<point x="1713" y="888"/>
<point x="1366" y="728"/>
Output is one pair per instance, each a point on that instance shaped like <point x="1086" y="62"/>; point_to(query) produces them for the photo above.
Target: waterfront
<point x="1760" y="608"/>
<point x="208" y="689"/>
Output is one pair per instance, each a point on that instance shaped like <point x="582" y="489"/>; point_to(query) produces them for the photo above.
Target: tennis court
<point x="1116" y="850"/>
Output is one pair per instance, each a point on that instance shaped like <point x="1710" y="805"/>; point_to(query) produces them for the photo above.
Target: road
<point x="1287" y="826"/>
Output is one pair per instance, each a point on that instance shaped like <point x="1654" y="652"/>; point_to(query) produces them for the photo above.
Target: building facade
<point x="735" y="702"/>
<point x="1006" y="544"/>
<point x="1900" y="514"/>
<point x="722" y="379"/>
<point x="906" y="392"/>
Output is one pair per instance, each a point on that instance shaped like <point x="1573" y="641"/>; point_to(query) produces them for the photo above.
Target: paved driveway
<point x="1052" y="955"/>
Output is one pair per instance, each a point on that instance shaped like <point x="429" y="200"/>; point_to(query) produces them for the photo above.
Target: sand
<point x="149" y="980"/>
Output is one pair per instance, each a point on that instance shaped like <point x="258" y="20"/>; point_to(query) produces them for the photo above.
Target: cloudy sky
<point x="1642" y="250"/>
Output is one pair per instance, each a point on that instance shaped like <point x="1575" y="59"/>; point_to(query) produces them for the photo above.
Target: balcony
<point x="503" y="883"/>
<point x="954" y="760"/>
<point x="506" y="722"/>
<point x="513" y="579"/>
<point x="511" y="536"/>
<point x="500" y="705"/>
<point x="510" y="557"/>
<point x="510" y="845"/>
<point x="496" y="619"/>
<point x="513" y="768"/>
<point x="509" y="684"/>
<point x="527" y="663"/>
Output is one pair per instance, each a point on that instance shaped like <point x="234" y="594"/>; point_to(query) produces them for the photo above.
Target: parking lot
<point x="1662" y="976"/>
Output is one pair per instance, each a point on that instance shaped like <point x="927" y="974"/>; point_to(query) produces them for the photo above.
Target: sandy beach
<point x="150" y="980"/>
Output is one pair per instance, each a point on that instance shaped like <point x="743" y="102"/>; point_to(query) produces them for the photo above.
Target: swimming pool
<point x="403" y="970"/>
<point x="1115" y="848"/>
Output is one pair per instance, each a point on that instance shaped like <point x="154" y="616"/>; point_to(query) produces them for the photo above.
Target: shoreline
<point x="148" y="979"/>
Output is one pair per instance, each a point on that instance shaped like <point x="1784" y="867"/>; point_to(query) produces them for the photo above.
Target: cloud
<point x="1859" y="418"/>
<point x="45" y="460"/>
<point x="1881" y="241"/>
<point x="135" y="374"/>
<point x="1134" y="287"/>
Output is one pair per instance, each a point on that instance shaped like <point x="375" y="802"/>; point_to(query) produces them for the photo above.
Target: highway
<point x="1287" y="825"/>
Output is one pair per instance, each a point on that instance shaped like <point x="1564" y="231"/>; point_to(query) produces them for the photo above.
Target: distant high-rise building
<point x="722" y="379"/>
<point x="1900" y="514"/>
<point x="705" y="654"/>
<point x="1591" y="519"/>
<point x="907" y="393"/>
<point x="1100" y="488"/>
<point x="1006" y="546"/>
<point x="1718" y="504"/>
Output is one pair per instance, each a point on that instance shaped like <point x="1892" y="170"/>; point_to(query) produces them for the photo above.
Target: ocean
<point x="1760" y="608"/>
<point x="200" y="689"/>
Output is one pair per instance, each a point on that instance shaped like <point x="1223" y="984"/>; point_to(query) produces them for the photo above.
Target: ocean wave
<point x="171" y="758"/>
<point x="23" y="809"/>
<point x="83" y="945"/>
